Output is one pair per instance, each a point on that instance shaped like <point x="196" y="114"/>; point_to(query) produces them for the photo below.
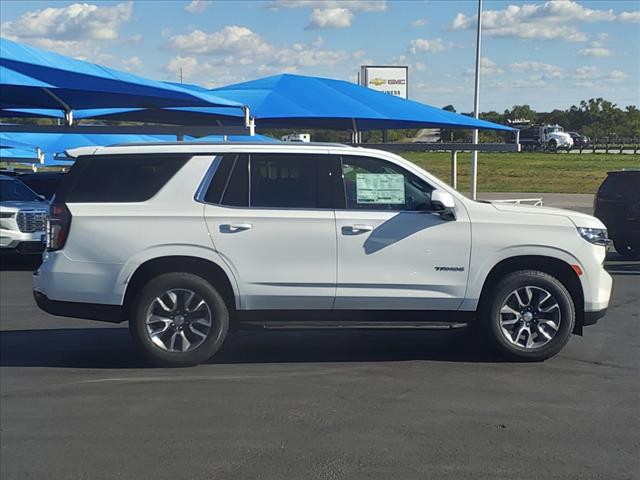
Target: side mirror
<point x="443" y="204"/>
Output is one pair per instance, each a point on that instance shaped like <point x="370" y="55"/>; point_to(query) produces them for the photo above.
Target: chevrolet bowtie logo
<point x="377" y="81"/>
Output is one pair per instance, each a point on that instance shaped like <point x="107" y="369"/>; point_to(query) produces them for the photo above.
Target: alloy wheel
<point x="179" y="320"/>
<point x="530" y="317"/>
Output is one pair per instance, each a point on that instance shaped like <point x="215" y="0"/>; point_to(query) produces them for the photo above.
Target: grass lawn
<point x="527" y="172"/>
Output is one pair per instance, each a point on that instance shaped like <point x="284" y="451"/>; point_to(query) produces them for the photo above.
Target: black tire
<point x="144" y="301"/>
<point x="627" y="248"/>
<point x="553" y="146"/>
<point x="495" y="300"/>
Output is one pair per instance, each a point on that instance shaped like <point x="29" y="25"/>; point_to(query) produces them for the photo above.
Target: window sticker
<point x="380" y="188"/>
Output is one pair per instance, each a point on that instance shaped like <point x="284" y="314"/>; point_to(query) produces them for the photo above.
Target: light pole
<point x="476" y="107"/>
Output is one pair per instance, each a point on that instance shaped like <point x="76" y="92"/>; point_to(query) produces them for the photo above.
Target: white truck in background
<point x="544" y="137"/>
<point x="297" y="137"/>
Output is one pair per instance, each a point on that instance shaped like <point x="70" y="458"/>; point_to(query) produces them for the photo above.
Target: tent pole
<point x="249" y="122"/>
<point x="454" y="169"/>
<point x="476" y="106"/>
<point x="355" y="131"/>
<point x="68" y="111"/>
<point x="247" y="115"/>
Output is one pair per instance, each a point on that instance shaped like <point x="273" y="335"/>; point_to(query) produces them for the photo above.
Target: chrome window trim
<point x="201" y="192"/>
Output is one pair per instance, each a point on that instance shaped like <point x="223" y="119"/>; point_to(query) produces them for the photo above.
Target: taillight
<point x="58" y="224"/>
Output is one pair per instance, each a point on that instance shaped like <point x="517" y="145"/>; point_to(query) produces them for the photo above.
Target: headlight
<point x="597" y="236"/>
<point x="6" y="214"/>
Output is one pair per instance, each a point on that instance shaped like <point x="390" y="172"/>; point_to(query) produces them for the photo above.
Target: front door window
<point x="373" y="184"/>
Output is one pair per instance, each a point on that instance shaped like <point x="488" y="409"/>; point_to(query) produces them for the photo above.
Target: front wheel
<point x="179" y="319"/>
<point x="529" y="315"/>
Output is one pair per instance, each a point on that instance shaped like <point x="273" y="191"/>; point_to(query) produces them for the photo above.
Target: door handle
<point x="353" y="229"/>
<point x="235" y="227"/>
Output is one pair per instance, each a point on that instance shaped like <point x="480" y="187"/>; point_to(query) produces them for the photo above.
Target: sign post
<point x="476" y="107"/>
<point x="393" y="80"/>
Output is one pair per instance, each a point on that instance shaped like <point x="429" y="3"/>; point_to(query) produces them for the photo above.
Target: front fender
<point x="481" y="267"/>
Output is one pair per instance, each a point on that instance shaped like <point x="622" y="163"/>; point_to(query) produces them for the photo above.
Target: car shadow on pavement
<point x="11" y="262"/>
<point x="112" y="348"/>
<point x="616" y="264"/>
<point x="624" y="268"/>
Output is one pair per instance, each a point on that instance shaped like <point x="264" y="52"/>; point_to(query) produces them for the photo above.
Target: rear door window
<point x="220" y="179"/>
<point x="282" y="180"/>
<point x="277" y="180"/>
<point x="122" y="178"/>
<point x="236" y="191"/>
<point x="230" y="183"/>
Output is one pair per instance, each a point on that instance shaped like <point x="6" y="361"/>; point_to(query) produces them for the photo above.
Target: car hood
<point x="14" y="206"/>
<point x="578" y="218"/>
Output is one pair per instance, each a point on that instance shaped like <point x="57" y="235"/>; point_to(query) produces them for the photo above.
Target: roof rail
<point x="278" y="143"/>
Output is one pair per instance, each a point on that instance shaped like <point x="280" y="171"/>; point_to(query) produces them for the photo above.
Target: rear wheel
<point x="179" y="319"/>
<point x="529" y="315"/>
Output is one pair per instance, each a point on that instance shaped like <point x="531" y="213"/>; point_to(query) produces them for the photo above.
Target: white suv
<point x="185" y="240"/>
<point x="23" y="216"/>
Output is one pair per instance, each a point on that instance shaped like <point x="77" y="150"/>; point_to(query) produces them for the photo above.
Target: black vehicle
<point x="617" y="204"/>
<point x="44" y="183"/>
<point x="579" y="140"/>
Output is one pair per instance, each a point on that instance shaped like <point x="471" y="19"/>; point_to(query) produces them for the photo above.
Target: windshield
<point x="555" y="129"/>
<point x="14" y="190"/>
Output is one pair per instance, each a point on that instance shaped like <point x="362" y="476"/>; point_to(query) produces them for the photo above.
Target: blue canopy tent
<point x="326" y="103"/>
<point x="35" y="78"/>
<point x="234" y="138"/>
<point x="53" y="145"/>
<point x="19" y="154"/>
<point x="171" y="116"/>
<point x="300" y="101"/>
<point x="12" y="150"/>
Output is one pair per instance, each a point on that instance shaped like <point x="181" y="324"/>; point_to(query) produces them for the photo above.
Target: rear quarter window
<point x="118" y="179"/>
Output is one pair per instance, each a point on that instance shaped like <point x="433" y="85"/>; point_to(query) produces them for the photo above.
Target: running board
<point x="350" y="325"/>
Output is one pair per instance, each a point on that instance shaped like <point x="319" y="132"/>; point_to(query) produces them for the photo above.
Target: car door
<point x="272" y="222"/>
<point x="393" y="251"/>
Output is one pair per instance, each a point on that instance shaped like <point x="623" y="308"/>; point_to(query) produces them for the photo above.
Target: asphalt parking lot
<point x="78" y="403"/>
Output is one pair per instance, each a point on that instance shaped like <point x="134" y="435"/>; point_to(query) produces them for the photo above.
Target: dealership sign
<point x="387" y="79"/>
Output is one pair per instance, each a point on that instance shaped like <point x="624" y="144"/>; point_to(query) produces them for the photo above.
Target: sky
<point x="549" y="54"/>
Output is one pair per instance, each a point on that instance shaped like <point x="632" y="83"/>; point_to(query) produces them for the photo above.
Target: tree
<point x="521" y="112"/>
